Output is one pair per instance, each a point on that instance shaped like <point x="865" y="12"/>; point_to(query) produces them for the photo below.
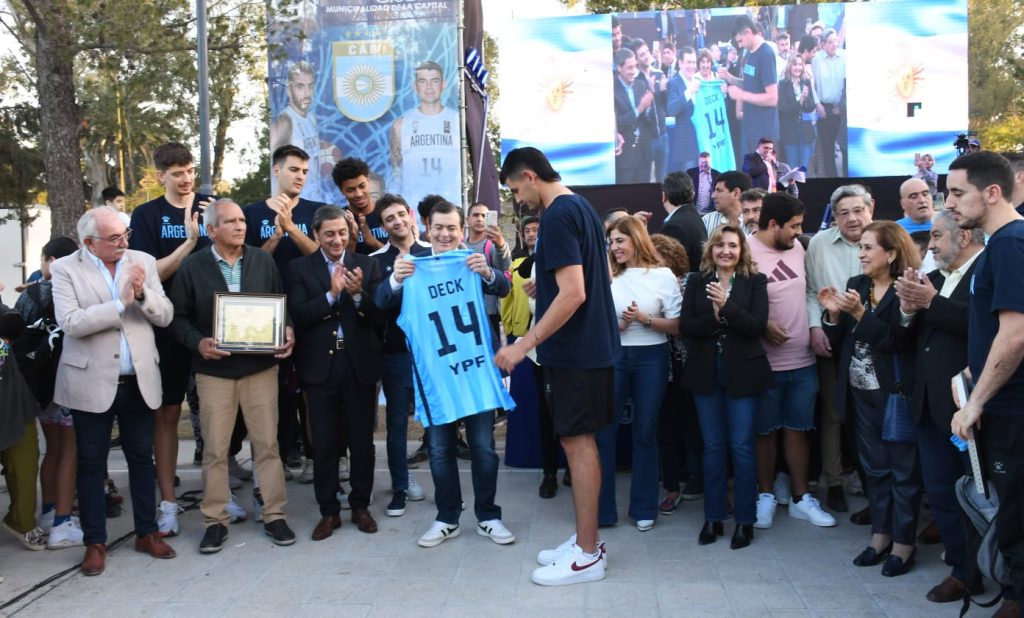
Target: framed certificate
<point x="248" y="323"/>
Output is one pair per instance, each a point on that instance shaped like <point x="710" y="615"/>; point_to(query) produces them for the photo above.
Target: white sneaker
<point x="766" y="504"/>
<point x="68" y="534"/>
<point x="572" y="567"/>
<point x="306" y="477"/>
<point x="235" y="511"/>
<point x="781" y="489"/>
<point x="853" y="485"/>
<point x="46" y="521"/>
<point x="343" y="474"/>
<point x="167" y="519"/>
<point x="643" y="525"/>
<point x="257" y="505"/>
<point x="237" y="470"/>
<point x="496" y="531"/>
<point x="438" y="533"/>
<point x="414" y="492"/>
<point x="809" y="509"/>
<point x="34" y="539"/>
<point x="551" y="556"/>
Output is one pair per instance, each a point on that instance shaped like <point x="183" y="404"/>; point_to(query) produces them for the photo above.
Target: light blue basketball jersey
<point x="712" y="125"/>
<point x="449" y="337"/>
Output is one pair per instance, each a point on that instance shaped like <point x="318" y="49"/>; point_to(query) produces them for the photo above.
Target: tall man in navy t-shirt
<point x="282" y="225"/>
<point x="757" y="97"/>
<point x="170" y="228"/>
<point x="980" y="185"/>
<point x="577" y="341"/>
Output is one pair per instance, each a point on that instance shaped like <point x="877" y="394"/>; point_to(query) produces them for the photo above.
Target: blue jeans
<point x="801" y="152"/>
<point x="727" y="423"/>
<point x="789" y="403"/>
<point x="396" y="381"/>
<point x="135" y="422"/>
<point x="445" y="469"/>
<point x="640" y="374"/>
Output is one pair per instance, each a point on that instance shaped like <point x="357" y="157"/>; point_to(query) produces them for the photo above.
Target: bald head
<point x="916" y="200"/>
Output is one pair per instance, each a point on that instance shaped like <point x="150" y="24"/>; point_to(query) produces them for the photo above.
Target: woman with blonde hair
<point x="862" y="323"/>
<point x="725" y="314"/>
<point x="647" y="300"/>
<point x="797" y="118"/>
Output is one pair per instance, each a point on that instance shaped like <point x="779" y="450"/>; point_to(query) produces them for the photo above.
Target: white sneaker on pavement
<point x="781" y="489"/>
<point x="551" y="556"/>
<point x="343" y="473"/>
<point x="439" y="533"/>
<point x="167" y="519"/>
<point x="46" y="521"/>
<point x="572" y="567"/>
<point x="809" y="509"/>
<point x="235" y="510"/>
<point x="306" y="477"/>
<point x="414" y="492"/>
<point x="34" y="539"/>
<point x="68" y="534"/>
<point x="496" y="531"/>
<point x="643" y="525"/>
<point x="766" y="504"/>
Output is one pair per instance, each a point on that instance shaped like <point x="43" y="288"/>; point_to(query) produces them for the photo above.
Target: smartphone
<point x="492" y="217"/>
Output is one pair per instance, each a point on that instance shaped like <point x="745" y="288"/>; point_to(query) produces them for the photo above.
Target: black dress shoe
<point x="837" y="500"/>
<point x="548" y="486"/>
<point x="896" y="566"/>
<point x="279" y="531"/>
<point x="862" y="517"/>
<point x="213" y="539"/>
<point x="710" y="532"/>
<point x="871" y="556"/>
<point x="742" y="537"/>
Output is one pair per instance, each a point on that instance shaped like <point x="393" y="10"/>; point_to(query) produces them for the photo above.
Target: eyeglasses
<point x="116" y="240"/>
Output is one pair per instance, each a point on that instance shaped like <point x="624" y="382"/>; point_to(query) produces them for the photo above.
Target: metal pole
<point x="205" y="168"/>
<point x="461" y="72"/>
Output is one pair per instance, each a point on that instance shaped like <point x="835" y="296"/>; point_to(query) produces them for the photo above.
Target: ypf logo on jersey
<point x="364" y="78"/>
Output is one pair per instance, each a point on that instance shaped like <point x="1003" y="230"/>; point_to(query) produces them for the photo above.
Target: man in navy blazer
<point x="682" y="89"/>
<point x="934" y="327"/>
<point x="338" y="358"/>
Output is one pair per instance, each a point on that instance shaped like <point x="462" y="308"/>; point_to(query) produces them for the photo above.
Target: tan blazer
<point x="90" y="361"/>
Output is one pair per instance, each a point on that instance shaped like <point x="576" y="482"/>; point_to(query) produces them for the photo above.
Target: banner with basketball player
<point x="376" y="81"/>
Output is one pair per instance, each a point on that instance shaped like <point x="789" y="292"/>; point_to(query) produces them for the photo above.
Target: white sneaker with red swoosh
<point x="573" y="567"/>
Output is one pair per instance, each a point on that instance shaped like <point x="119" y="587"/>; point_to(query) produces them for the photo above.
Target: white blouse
<point x="656" y="292"/>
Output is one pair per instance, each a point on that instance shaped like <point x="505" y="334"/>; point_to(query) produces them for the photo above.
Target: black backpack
<point x="37" y="349"/>
<point x="982" y="543"/>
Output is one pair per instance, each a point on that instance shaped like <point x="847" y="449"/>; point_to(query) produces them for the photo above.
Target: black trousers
<point x="892" y="473"/>
<point x="341" y="406"/>
<point x="1002" y="449"/>
<point x="549" y="445"/>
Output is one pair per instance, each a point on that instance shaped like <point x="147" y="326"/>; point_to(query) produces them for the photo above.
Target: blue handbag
<point x="897" y="425"/>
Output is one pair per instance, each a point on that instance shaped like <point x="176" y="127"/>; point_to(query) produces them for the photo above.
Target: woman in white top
<point x="647" y="301"/>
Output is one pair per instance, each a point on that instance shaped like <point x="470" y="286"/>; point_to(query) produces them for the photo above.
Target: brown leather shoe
<point x="155" y="546"/>
<point x="948" y="590"/>
<point x="1009" y="609"/>
<point x="95" y="559"/>
<point x="326" y="527"/>
<point x="930" y="535"/>
<point x="364" y="521"/>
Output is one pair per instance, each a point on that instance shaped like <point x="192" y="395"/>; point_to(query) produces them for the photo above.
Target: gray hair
<point x="327" y="213"/>
<point x="946" y="219"/>
<point x="87" y="223"/>
<point x="212" y="215"/>
<point x="846" y="191"/>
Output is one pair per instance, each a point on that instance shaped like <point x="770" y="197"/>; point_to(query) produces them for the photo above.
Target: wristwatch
<point x="649" y="322"/>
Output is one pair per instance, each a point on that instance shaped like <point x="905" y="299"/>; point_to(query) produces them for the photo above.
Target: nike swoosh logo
<point x="576" y="567"/>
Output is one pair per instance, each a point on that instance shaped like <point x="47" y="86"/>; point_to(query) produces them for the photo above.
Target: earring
<point x="891" y="260"/>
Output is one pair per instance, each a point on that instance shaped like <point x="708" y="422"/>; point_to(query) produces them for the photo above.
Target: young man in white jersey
<point x="425" y="142"/>
<point x="298" y="127"/>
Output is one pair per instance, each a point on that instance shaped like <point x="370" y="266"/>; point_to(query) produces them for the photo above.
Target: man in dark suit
<point x="765" y="170"/>
<point x="635" y="121"/>
<point x="665" y="25"/>
<point x="934" y="313"/>
<point x="682" y="221"/>
<point x="338" y="358"/>
<point x="682" y="90"/>
<point x="704" y="179"/>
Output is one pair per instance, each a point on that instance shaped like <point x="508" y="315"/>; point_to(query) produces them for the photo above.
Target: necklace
<point x="871" y="294"/>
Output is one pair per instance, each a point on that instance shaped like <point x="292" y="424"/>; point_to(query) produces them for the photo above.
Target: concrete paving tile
<point x="490" y="611"/>
<point x="332" y="610"/>
<point x="835" y="596"/>
<point x="671" y="572"/>
<point x="530" y="595"/>
<point x="347" y="589"/>
<point x="619" y="595"/>
<point x="425" y="592"/>
<point x="763" y="596"/>
<point x="480" y="589"/>
<point x="901" y="598"/>
<point x="403" y="611"/>
<point x="702" y="595"/>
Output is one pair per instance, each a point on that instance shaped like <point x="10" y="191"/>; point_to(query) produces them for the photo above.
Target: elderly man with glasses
<point x="107" y="299"/>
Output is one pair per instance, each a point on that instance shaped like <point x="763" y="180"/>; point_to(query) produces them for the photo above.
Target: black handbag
<point x="897" y="424"/>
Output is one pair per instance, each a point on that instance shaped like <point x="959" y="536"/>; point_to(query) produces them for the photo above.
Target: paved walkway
<point x="794" y="569"/>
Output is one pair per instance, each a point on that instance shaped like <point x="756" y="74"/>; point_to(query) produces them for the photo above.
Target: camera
<point x="962" y="141"/>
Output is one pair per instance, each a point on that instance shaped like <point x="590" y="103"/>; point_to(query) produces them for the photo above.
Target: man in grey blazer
<point x="107" y="298"/>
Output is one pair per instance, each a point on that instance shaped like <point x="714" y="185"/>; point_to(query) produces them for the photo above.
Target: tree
<point x="21" y="165"/>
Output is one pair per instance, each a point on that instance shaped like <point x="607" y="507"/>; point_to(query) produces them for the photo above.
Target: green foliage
<point x="21" y="164"/>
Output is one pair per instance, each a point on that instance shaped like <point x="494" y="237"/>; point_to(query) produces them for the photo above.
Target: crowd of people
<point x="726" y="337"/>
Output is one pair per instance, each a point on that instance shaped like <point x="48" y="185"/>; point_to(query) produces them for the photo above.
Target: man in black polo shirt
<point x="577" y="341"/>
<point x="980" y="185"/>
<point x="170" y="228"/>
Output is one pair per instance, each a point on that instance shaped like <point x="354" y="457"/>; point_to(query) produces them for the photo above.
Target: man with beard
<point x="297" y="126"/>
<point x="789" y="404"/>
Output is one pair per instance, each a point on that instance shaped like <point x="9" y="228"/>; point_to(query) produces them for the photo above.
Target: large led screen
<point x="843" y="90"/>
